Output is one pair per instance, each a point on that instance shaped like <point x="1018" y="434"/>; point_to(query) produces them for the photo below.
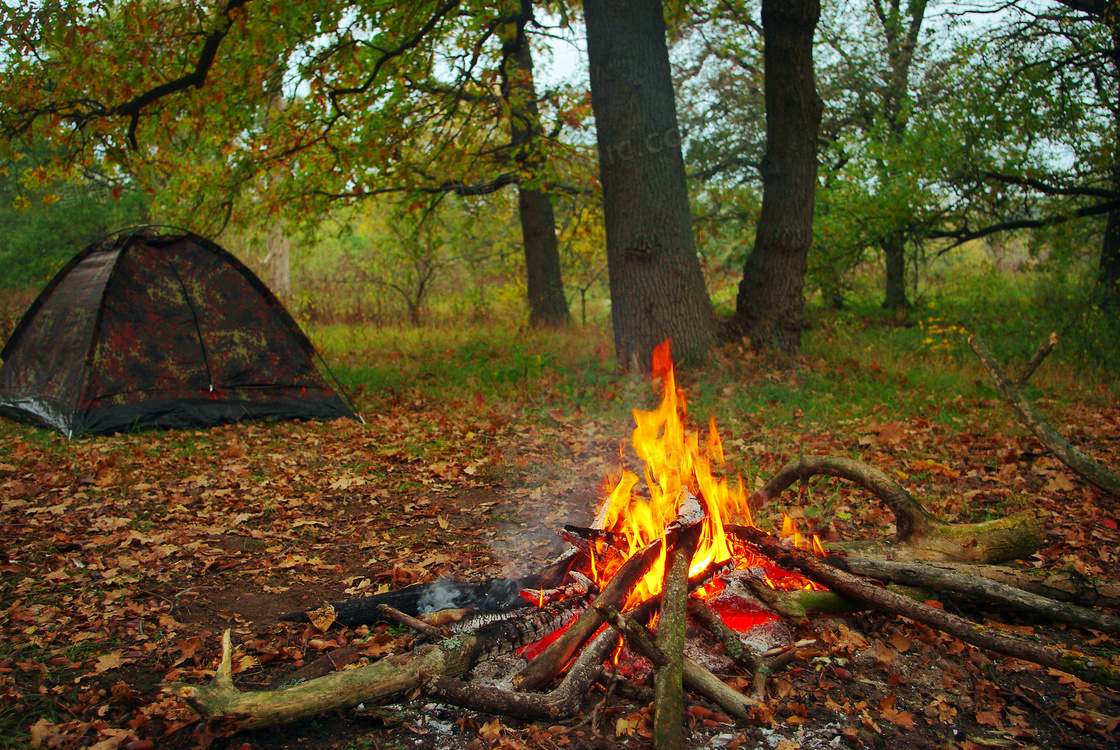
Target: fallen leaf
<point x="108" y="661"/>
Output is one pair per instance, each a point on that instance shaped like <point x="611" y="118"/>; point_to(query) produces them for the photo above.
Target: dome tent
<point x="150" y="329"/>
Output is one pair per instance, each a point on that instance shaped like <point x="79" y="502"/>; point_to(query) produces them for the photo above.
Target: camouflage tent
<point x="148" y="329"/>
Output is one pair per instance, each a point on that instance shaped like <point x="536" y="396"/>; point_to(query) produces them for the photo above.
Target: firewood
<point x="549" y="662"/>
<point x="561" y="703"/>
<point x="1012" y="393"/>
<point x="1074" y="662"/>
<point x="227" y="709"/>
<point x="421" y="627"/>
<point x="977" y="587"/>
<point x="697" y="678"/>
<point x="761" y="666"/>
<point x="1062" y="585"/>
<point x="668" y="707"/>
<point x="920" y="535"/>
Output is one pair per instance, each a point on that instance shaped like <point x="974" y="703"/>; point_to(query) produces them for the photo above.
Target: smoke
<point x="443" y="594"/>
<point x="499" y="595"/>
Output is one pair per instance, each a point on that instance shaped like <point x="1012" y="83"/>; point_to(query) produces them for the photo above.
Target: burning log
<point x="920" y="535"/>
<point x="693" y="675"/>
<point x="561" y="703"/>
<point x="1075" y="663"/>
<point x="549" y="663"/>
<point x="1032" y="419"/>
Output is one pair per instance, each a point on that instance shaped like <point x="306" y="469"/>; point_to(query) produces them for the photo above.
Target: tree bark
<point x="979" y="588"/>
<point x="548" y="307"/>
<point x="668" y="685"/>
<point x="1108" y="270"/>
<point x="894" y="255"/>
<point x="657" y="287"/>
<point x="770" y="303"/>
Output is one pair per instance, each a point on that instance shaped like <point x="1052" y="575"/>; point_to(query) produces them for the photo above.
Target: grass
<point x="856" y="362"/>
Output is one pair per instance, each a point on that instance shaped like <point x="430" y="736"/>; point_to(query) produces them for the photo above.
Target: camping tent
<point x="149" y="329"/>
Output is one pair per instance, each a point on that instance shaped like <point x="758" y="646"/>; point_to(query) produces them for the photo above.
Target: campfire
<point x="673" y="547"/>
<point x="681" y="488"/>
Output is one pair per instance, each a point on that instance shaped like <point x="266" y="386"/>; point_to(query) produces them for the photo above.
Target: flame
<point x="677" y="469"/>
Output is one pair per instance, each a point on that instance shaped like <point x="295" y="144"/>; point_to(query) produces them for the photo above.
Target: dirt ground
<point x="122" y="559"/>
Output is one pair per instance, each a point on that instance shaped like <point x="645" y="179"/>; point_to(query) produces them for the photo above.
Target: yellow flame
<point x="676" y="465"/>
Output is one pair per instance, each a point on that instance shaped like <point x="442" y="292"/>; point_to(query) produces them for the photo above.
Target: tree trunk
<point x="770" y="302"/>
<point x="279" y="261"/>
<point x="894" y="253"/>
<point x="901" y="30"/>
<point x="548" y="306"/>
<point x="657" y="287"/>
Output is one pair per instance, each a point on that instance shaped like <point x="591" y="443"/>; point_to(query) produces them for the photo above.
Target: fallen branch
<point x="1062" y="585"/>
<point x="227" y="709"/>
<point x="761" y="666"/>
<point x="1032" y="419"/>
<point x="1074" y="662"/>
<point x="940" y="579"/>
<point x="920" y="535"/>
<point x="395" y="615"/>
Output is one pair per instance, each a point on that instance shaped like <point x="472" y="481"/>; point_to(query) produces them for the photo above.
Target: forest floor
<point x="123" y="558"/>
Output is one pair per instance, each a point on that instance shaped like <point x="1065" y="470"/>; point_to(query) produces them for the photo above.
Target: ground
<point x="123" y="558"/>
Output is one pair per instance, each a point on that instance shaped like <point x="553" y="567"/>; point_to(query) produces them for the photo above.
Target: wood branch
<point x="195" y="79"/>
<point x="732" y="644"/>
<point x="561" y="703"/>
<point x="940" y="579"/>
<point x="1062" y="585"/>
<point x="1032" y="419"/>
<point x="697" y="678"/>
<point x="1067" y="660"/>
<point x="1036" y="360"/>
<point x="552" y="660"/>
<point x="964" y="234"/>
<point x="920" y="535"/>
<point x="227" y="710"/>
<point x="668" y="686"/>
<point x="797" y="604"/>
<point x="421" y="627"/>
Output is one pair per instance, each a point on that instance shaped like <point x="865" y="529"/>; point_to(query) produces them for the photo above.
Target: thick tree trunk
<point x="1108" y="273"/>
<point x="1109" y="270"/>
<point x="657" y="287"/>
<point x="894" y="253"/>
<point x="770" y="302"/>
<point x="548" y="306"/>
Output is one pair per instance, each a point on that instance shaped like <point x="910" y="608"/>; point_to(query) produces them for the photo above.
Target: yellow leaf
<point x="108" y="661"/>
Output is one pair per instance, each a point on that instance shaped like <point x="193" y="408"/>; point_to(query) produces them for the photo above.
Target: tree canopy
<point x="943" y="122"/>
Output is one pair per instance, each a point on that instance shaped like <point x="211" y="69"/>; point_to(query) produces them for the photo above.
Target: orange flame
<point x="677" y="469"/>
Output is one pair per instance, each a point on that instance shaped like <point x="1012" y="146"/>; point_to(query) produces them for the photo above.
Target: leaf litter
<point x="123" y="558"/>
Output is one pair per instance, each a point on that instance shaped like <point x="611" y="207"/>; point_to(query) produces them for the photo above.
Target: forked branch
<point x="1032" y="419"/>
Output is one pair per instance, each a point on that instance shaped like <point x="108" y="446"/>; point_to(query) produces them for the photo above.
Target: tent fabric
<point x="168" y="330"/>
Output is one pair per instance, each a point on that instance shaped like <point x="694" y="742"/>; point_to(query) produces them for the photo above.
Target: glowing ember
<point x="679" y="473"/>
